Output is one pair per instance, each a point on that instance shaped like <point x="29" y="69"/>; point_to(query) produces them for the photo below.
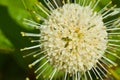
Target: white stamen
<point x="84" y="1"/>
<point x="32" y="53"/>
<point x="48" y="5"/>
<point x="32" y="47"/>
<point x="42" y="9"/>
<point x="113" y="54"/>
<point x="113" y="29"/>
<point x="78" y="75"/>
<point x="85" y="76"/>
<point x="102" y="72"/>
<point x="30" y="34"/>
<point x="114" y="45"/>
<point x="35" y="62"/>
<point x="103" y="67"/>
<point x="39" y="53"/>
<point x="106" y="63"/>
<point x="95" y="74"/>
<point x="110" y="22"/>
<point x="96" y="4"/>
<point x="114" y="34"/>
<point x="90" y="75"/>
<point x="52" y="74"/>
<point x="41" y="66"/>
<point x="39" y="16"/>
<point x="31" y="21"/>
<point x="56" y="3"/>
<point x="103" y="9"/>
<point x="51" y="4"/>
<point x="110" y="61"/>
<point x="41" y="72"/>
<point x="65" y="75"/>
<point x="98" y="73"/>
<point x="106" y="14"/>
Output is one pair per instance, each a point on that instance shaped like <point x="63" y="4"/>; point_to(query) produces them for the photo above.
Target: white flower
<point x="74" y="39"/>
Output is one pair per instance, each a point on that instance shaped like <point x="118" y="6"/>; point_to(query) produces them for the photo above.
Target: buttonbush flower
<point x="75" y="39"/>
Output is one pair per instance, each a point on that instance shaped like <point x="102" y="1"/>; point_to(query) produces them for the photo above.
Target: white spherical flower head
<point x="75" y="38"/>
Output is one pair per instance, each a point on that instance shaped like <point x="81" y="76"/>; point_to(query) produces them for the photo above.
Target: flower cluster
<point x="75" y="38"/>
<point x="72" y="38"/>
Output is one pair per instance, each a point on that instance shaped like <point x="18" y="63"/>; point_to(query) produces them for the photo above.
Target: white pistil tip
<point x="27" y="78"/>
<point x="30" y="65"/>
<point x="34" y="56"/>
<point x="32" y="41"/>
<point x="23" y="49"/>
<point x="35" y="71"/>
<point x="37" y="77"/>
<point x="22" y="33"/>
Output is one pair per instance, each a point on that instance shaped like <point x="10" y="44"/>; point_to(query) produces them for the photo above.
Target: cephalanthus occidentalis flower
<point x="75" y="39"/>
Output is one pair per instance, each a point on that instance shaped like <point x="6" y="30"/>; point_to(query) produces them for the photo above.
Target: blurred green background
<point x="12" y="64"/>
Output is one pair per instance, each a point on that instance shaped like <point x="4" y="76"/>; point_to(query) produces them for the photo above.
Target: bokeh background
<point x="12" y="65"/>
